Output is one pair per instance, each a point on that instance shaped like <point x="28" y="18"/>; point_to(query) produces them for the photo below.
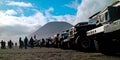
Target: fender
<point x="95" y="31"/>
<point x="113" y="26"/>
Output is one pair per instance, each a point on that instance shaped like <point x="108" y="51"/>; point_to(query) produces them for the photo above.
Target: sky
<point x="19" y="18"/>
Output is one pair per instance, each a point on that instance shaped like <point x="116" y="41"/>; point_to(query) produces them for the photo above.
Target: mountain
<point x="50" y="29"/>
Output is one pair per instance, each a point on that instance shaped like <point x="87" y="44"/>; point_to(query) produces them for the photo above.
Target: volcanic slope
<point x="50" y="29"/>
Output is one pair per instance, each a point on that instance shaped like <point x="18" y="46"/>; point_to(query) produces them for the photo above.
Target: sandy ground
<point x="50" y="54"/>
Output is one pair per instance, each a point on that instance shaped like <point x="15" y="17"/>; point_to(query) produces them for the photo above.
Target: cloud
<point x="67" y="18"/>
<point x="48" y="14"/>
<point x="12" y="27"/>
<point x="20" y="4"/>
<point x="13" y="32"/>
<point x="89" y="7"/>
<point x="73" y="4"/>
<point x="37" y="19"/>
<point x="11" y="12"/>
<point x="20" y="26"/>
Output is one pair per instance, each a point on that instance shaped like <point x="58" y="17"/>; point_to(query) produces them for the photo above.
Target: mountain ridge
<point x="50" y="29"/>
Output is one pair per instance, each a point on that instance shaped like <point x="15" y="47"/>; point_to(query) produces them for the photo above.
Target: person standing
<point x="43" y="42"/>
<point x="57" y="40"/>
<point x="10" y="44"/>
<point x="15" y="44"/>
<point x="26" y="42"/>
<point x="2" y="44"/>
<point x="31" y="42"/>
<point x="20" y="43"/>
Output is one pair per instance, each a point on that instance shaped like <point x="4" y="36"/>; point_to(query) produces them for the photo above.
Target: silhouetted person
<point x="2" y="44"/>
<point x="26" y="42"/>
<point x="31" y="42"/>
<point x="57" y="39"/>
<point x="43" y="42"/>
<point x="21" y="44"/>
<point x="48" y="42"/>
<point x="10" y="44"/>
<point x="16" y="44"/>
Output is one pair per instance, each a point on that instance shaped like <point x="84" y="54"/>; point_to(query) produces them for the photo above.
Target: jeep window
<point x="107" y="16"/>
<point x="118" y="12"/>
<point x="114" y="13"/>
<point x="102" y="18"/>
<point x="93" y="21"/>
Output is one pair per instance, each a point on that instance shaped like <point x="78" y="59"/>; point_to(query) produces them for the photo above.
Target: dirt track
<point x="51" y="54"/>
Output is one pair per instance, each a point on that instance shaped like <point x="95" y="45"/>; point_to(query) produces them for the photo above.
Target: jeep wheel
<point x="85" y="44"/>
<point x="106" y="47"/>
<point x="72" y="44"/>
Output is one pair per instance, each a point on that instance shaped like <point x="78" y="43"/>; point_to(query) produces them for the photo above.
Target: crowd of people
<point x="33" y="42"/>
<point x="26" y="43"/>
<point x="3" y="44"/>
